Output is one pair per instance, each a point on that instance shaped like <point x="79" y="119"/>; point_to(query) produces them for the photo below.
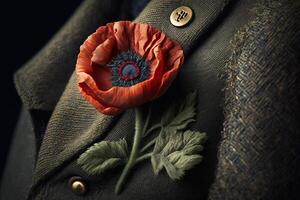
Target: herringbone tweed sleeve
<point x="260" y="147"/>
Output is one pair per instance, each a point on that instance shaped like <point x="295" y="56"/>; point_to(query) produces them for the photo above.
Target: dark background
<point x="26" y="26"/>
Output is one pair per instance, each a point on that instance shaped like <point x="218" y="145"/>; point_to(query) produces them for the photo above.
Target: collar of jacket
<point x="41" y="83"/>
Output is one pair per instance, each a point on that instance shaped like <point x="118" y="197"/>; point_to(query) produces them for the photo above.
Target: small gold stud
<point x="77" y="185"/>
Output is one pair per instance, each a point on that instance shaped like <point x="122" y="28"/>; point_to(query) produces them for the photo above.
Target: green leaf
<point x="177" y="152"/>
<point x="181" y="114"/>
<point x="103" y="156"/>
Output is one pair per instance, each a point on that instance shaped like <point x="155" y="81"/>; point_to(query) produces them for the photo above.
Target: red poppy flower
<point x="126" y="64"/>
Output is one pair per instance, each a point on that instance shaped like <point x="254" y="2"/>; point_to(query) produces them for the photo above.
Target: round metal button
<point x="181" y="16"/>
<point x="77" y="185"/>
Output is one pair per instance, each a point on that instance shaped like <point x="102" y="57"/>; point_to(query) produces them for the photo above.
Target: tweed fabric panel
<point x="259" y="150"/>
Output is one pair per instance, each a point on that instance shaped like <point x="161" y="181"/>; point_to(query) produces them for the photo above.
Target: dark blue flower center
<point x="128" y="68"/>
<point x="129" y="71"/>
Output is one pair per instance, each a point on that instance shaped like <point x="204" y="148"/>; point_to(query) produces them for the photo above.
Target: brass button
<point x="77" y="185"/>
<point x="181" y="16"/>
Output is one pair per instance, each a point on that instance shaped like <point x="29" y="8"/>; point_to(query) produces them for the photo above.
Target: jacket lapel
<point x="75" y="124"/>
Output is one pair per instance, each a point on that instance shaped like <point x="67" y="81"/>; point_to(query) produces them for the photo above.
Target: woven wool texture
<point x="260" y="142"/>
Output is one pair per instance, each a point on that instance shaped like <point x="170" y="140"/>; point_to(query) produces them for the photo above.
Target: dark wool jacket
<point x="243" y="58"/>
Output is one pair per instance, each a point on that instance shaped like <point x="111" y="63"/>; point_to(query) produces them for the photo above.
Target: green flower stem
<point x="134" y="151"/>
<point x="143" y="157"/>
